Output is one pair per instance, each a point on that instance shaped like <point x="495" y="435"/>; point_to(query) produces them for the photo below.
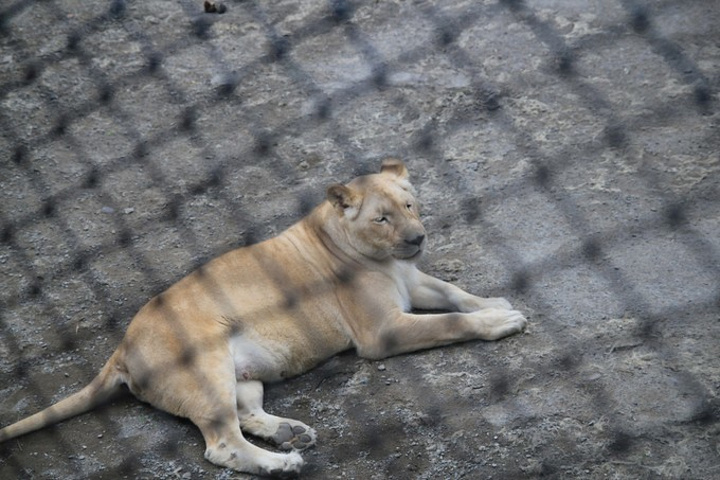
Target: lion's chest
<point x="402" y="275"/>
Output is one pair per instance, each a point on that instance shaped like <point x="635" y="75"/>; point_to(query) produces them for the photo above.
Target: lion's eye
<point x="380" y="220"/>
<point x="409" y="206"/>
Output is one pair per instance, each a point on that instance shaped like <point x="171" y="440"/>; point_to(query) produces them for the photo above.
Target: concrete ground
<point x="566" y="153"/>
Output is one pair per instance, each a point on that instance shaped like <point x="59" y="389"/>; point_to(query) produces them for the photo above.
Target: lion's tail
<point x="103" y="388"/>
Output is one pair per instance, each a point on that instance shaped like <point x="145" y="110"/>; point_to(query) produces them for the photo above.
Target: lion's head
<point x="379" y="215"/>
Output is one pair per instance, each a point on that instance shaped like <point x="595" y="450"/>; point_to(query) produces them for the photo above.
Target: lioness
<point x="342" y="277"/>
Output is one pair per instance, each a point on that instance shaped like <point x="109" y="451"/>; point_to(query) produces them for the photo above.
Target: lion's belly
<point x="255" y="361"/>
<point x="290" y="352"/>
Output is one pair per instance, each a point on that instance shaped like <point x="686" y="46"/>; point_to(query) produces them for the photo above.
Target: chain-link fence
<point x="566" y="154"/>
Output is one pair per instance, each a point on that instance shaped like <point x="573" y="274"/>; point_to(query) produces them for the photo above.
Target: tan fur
<point x="342" y="277"/>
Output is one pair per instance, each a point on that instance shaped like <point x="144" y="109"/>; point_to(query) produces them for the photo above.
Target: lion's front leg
<point x="407" y="332"/>
<point x="430" y="293"/>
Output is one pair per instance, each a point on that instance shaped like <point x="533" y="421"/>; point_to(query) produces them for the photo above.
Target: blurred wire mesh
<point x="140" y="139"/>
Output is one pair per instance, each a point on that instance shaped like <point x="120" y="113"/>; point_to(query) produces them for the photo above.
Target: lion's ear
<point x="342" y="198"/>
<point x="395" y="167"/>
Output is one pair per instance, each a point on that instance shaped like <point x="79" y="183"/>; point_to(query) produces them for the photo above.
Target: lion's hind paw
<point x="294" y="437"/>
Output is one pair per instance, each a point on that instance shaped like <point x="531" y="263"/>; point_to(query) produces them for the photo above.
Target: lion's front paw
<point x="294" y="437"/>
<point x="498" y="323"/>
<point x="496" y="303"/>
<point x="476" y="303"/>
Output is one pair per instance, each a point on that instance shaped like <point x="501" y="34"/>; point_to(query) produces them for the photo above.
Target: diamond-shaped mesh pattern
<point x="567" y="152"/>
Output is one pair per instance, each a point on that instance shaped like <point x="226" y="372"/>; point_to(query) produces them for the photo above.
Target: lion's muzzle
<point x="411" y="246"/>
<point x="417" y="240"/>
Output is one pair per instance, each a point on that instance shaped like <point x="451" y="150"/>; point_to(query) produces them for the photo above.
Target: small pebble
<point x="214" y="7"/>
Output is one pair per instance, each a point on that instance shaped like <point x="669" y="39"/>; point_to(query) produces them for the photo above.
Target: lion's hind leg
<point x="226" y="446"/>
<point x="204" y="392"/>
<point x="286" y="433"/>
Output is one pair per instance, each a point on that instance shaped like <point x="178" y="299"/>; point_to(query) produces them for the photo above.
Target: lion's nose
<point x="415" y="240"/>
